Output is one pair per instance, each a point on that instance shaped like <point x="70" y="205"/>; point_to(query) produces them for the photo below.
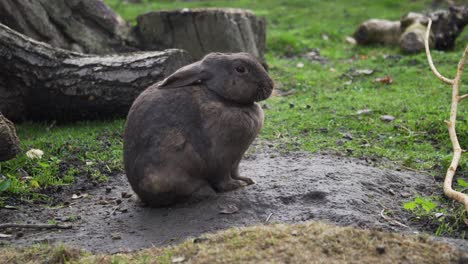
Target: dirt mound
<point x="289" y="188"/>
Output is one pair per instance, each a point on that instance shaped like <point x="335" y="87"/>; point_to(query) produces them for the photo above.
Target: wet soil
<point x="290" y="188"/>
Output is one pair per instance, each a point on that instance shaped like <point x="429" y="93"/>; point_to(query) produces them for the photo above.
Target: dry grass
<point x="300" y="243"/>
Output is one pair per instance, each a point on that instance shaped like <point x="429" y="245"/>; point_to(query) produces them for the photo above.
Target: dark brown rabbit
<point x="192" y="129"/>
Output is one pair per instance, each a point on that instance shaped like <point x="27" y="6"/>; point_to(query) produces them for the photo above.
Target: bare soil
<point x="290" y="188"/>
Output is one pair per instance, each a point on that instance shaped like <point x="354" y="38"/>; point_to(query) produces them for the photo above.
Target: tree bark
<point x="200" y="31"/>
<point x="90" y="26"/>
<point x="40" y="82"/>
<point x="409" y="31"/>
<point x="87" y="26"/>
<point x="9" y="143"/>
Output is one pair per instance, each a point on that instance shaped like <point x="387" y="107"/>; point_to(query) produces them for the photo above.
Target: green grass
<point x="83" y="151"/>
<point x="323" y="101"/>
<point x="315" y="118"/>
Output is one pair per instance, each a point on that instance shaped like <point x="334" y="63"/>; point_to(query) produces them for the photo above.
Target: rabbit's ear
<point x="185" y="76"/>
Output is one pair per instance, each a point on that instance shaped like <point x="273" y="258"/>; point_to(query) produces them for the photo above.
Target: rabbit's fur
<point x="192" y="129"/>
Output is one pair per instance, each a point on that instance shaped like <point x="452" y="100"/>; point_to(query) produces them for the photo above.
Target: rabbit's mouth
<point x="263" y="92"/>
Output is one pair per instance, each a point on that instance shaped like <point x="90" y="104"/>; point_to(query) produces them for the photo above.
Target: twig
<point x="268" y="218"/>
<point x="457" y="150"/>
<point x="36" y="226"/>
<point x="429" y="57"/>
<point x="462" y="97"/>
<point x="391" y="219"/>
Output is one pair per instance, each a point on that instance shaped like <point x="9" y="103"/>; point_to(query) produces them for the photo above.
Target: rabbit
<point x="191" y="130"/>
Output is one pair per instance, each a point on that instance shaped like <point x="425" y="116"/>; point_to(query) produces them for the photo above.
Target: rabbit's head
<point x="237" y="77"/>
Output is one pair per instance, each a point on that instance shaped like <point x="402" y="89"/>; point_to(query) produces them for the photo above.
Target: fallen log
<point x="40" y="82"/>
<point x="409" y="32"/>
<point x="87" y="26"/>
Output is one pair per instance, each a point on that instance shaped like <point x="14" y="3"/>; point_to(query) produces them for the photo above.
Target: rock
<point x="314" y="56"/>
<point x="348" y="136"/>
<point x="229" y="209"/>
<point x="405" y="194"/>
<point x="116" y="236"/>
<point x="350" y="40"/>
<point x="387" y="118"/>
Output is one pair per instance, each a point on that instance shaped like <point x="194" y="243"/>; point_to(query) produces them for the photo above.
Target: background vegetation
<point x="320" y="114"/>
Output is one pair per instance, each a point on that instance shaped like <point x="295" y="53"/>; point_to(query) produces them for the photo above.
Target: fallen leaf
<point x="300" y="65"/>
<point x="439" y="215"/>
<point x="178" y="259"/>
<point x="364" y="111"/>
<point x="75" y="196"/>
<point x="383" y="80"/>
<point x="364" y="72"/>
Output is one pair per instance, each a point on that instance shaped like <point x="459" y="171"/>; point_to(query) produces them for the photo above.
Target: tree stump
<point x="40" y="82"/>
<point x="87" y="26"/>
<point x="201" y="31"/>
<point x="9" y="143"/>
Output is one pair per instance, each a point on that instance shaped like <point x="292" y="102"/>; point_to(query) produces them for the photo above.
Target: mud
<point x="289" y="188"/>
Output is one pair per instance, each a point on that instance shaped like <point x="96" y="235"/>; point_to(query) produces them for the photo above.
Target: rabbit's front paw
<point x="230" y="185"/>
<point x="246" y="180"/>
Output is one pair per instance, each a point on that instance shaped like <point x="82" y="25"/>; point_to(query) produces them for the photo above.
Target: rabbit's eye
<point x="240" y="69"/>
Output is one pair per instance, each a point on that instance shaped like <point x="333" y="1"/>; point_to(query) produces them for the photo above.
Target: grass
<point x="85" y="151"/>
<point x="300" y="243"/>
<point x="319" y="116"/>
